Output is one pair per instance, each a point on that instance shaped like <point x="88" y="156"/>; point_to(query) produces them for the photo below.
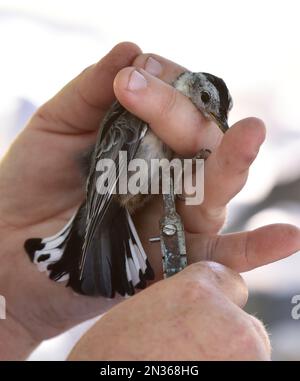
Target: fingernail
<point x="153" y="67"/>
<point x="136" y="81"/>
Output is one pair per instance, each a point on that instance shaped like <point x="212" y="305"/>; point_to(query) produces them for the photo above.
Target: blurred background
<point x="253" y="45"/>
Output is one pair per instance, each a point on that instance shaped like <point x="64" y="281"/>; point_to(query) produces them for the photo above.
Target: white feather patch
<point x="134" y="273"/>
<point x="56" y="242"/>
<point x="68" y="226"/>
<point x="135" y="235"/>
<point x="64" y="278"/>
<point x="129" y="277"/>
<point x="54" y="256"/>
<point x="142" y="263"/>
<point x="134" y="256"/>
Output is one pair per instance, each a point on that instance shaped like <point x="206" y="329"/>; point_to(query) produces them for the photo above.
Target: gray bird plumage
<point x="99" y="252"/>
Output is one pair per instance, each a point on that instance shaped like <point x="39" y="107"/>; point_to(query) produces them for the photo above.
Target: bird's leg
<point x="202" y="154"/>
<point x="172" y="236"/>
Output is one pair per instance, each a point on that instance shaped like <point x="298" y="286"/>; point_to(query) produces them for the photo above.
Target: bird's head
<point x="209" y="94"/>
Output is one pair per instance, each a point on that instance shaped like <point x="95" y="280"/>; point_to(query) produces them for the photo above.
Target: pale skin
<point x="195" y="315"/>
<point x="41" y="186"/>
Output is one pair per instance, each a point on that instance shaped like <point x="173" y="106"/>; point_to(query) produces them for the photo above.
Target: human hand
<point x="195" y="315"/>
<point x="41" y="186"/>
<point x="176" y="120"/>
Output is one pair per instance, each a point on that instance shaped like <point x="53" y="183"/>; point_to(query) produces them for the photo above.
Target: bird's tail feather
<point x="115" y="261"/>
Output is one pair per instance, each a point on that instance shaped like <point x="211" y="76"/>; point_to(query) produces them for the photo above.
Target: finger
<point x="246" y="250"/>
<point x="168" y="71"/>
<point x="171" y="115"/>
<point x="212" y="277"/>
<point x="225" y="173"/>
<point x="81" y="104"/>
<point x="159" y="67"/>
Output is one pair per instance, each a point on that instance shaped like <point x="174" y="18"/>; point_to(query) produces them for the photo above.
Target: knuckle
<point x="195" y="290"/>
<point x="215" y="215"/>
<point x="202" y="266"/>
<point x="212" y="279"/>
<point x="194" y="280"/>
<point x="213" y="273"/>
<point x="196" y="272"/>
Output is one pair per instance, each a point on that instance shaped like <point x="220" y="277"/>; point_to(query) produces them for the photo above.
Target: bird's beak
<point x="221" y="122"/>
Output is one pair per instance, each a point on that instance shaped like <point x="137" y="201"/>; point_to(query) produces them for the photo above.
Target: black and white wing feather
<point x="121" y="131"/>
<point x="99" y="251"/>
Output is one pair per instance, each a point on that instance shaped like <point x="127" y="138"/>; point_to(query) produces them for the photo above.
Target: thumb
<point x="219" y="278"/>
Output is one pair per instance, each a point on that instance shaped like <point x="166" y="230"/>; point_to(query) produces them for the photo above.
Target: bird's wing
<point x="120" y="131"/>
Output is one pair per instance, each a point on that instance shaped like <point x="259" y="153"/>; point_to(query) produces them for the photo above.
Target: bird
<point x="99" y="253"/>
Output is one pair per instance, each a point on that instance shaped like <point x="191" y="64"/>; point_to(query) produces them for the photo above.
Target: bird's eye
<point x="205" y="97"/>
